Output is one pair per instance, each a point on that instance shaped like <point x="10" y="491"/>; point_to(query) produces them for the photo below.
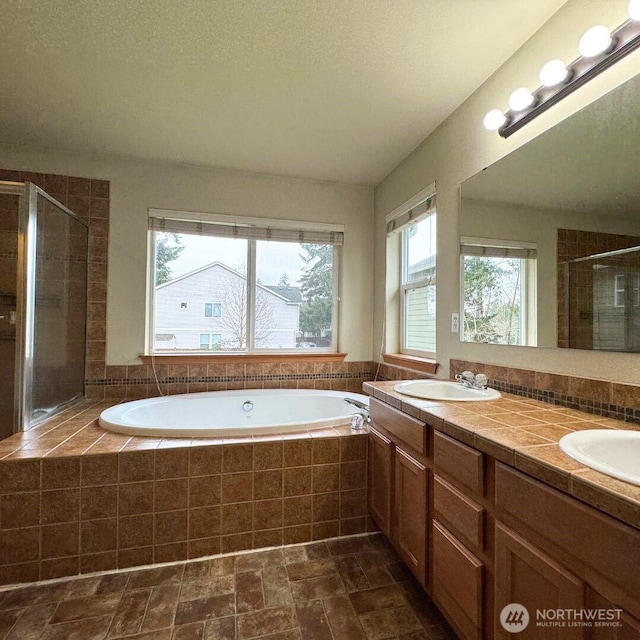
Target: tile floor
<point x="341" y="589"/>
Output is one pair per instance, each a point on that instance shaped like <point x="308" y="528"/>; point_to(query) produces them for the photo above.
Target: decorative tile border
<point x="139" y="381"/>
<point x="600" y="397"/>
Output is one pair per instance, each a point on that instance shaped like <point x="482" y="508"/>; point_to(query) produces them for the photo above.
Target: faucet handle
<point x="468" y="376"/>
<point x="481" y="380"/>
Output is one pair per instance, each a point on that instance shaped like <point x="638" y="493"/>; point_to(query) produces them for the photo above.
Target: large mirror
<point x="550" y="235"/>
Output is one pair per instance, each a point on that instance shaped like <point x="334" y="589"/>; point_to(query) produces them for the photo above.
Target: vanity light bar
<point x="623" y="40"/>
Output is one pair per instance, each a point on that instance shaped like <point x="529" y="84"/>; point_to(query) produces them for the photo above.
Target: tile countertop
<point x="524" y="434"/>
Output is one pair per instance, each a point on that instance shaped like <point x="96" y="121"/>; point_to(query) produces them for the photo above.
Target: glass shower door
<point x="60" y="309"/>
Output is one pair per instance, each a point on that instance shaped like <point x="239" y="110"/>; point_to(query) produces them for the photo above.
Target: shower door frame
<point x="26" y="298"/>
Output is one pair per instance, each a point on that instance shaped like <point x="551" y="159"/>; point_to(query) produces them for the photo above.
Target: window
<point x="411" y="263"/>
<point x="498" y="292"/>
<point x="620" y="291"/>
<point x="212" y="309"/>
<point x="210" y="340"/>
<point x="419" y="287"/>
<point x="276" y="284"/>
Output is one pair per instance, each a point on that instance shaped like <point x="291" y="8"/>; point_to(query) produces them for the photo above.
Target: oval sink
<point x="443" y="390"/>
<point x="616" y="453"/>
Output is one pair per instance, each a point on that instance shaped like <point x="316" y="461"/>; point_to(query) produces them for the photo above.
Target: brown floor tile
<point x="311" y="569"/>
<point x="314" y="588"/>
<point x="379" y="598"/>
<point x="80" y="608"/>
<point x="389" y="623"/>
<point x="88" y="629"/>
<point x="348" y="589"/>
<point x="313" y="621"/>
<point x="260" y="623"/>
<point x="130" y="613"/>
<point x="249" y="593"/>
<point x="277" y="591"/>
<point x="342" y="618"/>
<point x="205" y="608"/>
<point x="221" y="629"/>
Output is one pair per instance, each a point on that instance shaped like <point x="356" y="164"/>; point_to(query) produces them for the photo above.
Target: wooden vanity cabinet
<point x="398" y="491"/>
<point x="479" y="534"/>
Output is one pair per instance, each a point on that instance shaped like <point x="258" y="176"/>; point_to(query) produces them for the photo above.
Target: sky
<point x="273" y="258"/>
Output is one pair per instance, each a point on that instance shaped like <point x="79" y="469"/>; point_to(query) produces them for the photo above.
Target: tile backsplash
<point x="601" y="397"/>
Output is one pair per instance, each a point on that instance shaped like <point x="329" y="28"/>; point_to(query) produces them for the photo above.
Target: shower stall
<point x="44" y="251"/>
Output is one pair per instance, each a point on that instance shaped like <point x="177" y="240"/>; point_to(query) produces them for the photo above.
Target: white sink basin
<point x="443" y="390"/>
<point x="616" y="453"/>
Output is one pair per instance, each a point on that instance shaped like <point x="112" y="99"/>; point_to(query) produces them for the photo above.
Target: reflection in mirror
<point x="571" y="198"/>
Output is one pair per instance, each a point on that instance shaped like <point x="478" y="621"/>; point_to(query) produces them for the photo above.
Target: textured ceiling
<point x="336" y="90"/>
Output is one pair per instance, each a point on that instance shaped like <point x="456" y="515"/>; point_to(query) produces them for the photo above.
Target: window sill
<point x="251" y="358"/>
<point x="424" y="365"/>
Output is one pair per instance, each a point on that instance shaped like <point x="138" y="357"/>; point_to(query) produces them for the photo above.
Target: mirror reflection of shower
<point x="603" y="301"/>
<point x="43" y="306"/>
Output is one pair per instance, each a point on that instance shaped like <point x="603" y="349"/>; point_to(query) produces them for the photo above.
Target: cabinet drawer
<point x="459" y="513"/>
<point x="404" y="427"/>
<point x="457" y="583"/>
<point x="460" y="464"/>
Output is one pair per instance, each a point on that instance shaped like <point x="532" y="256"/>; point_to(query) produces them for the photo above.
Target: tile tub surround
<point x="135" y="382"/>
<point x="89" y="200"/>
<point x="603" y="398"/>
<point x="524" y="434"/>
<point x="347" y="589"/>
<point x="77" y="499"/>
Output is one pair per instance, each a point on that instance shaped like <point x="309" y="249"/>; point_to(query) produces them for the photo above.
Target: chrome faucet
<point x="472" y="381"/>
<point x="359" y="419"/>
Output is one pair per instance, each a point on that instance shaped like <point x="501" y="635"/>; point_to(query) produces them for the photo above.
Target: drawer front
<point x="404" y="427"/>
<point x="460" y="464"/>
<point x="458" y="513"/>
<point x="457" y="583"/>
<point x="597" y="544"/>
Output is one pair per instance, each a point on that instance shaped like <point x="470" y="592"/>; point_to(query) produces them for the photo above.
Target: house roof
<point x="273" y="290"/>
<point x="293" y="294"/>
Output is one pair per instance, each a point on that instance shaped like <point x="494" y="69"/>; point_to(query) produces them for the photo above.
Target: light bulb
<point x="594" y="41"/>
<point x="521" y="99"/>
<point x="494" y="120"/>
<point x="553" y="73"/>
<point x="634" y="9"/>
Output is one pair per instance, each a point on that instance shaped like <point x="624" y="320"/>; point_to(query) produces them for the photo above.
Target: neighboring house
<point x="206" y="309"/>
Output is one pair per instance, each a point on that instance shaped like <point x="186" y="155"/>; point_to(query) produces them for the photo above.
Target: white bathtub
<point x="220" y="413"/>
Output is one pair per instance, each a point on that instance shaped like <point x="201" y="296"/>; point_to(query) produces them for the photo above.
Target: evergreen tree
<point x="316" y="286"/>
<point x="168" y="248"/>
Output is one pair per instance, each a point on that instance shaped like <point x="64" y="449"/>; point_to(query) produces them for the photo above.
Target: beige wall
<point x="137" y="186"/>
<point x="461" y="147"/>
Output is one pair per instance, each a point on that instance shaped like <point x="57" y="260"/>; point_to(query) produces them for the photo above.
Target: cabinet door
<point x="527" y="576"/>
<point x="380" y="480"/>
<point x="410" y="512"/>
<point x="457" y="582"/>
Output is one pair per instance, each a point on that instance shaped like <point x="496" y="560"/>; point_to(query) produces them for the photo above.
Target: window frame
<point x="528" y="287"/>
<point x="406" y="286"/>
<point x="214" y="306"/>
<point x="252" y="284"/>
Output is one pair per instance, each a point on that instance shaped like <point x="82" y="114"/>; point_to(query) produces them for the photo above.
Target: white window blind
<point x="246" y="232"/>
<point x="495" y="249"/>
<point x="419" y="211"/>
